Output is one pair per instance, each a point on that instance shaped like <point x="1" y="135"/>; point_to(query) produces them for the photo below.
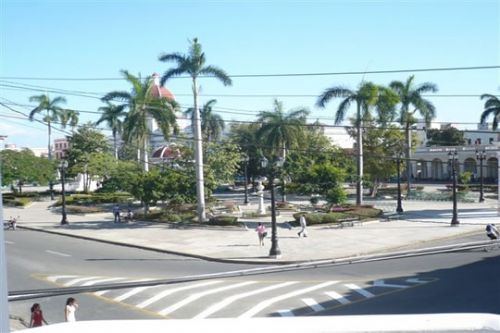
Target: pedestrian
<point x="37" y="318"/>
<point x="492" y="231"/>
<point x="303" y="225"/>
<point x="261" y="232"/>
<point x="116" y="213"/>
<point x="70" y="309"/>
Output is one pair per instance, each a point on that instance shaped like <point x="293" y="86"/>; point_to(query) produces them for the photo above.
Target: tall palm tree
<point x="212" y="125"/>
<point x="281" y="131"/>
<point x="52" y="110"/>
<point x="142" y="105"/>
<point x="112" y="115"/>
<point x="411" y="102"/>
<point x="364" y="97"/>
<point x="491" y="108"/>
<point x="193" y="64"/>
<point x="69" y="117"/>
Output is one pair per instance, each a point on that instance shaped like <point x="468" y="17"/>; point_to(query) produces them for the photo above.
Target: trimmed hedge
<point x="95" y="198"/>
<point x="223" y="220"/>
<point x="17" y="202"/>
<point x="348" y="213"/>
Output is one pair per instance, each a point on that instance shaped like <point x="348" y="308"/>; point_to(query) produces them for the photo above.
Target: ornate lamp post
<point x="452" y="157"/>
<point x="62" y="167"/>
<point x="275" y="251"/>
<point x="399" y="208"/>
<point x="246" y="159"/>
<point x="481" y="156"/>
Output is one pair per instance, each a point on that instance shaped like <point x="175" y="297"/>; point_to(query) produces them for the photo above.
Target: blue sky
<point x="96" y="39"/>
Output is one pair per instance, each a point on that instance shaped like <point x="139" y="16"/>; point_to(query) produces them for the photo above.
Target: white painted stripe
<point x="91" y="283"/>
<point x="359" y="290"/>
<point x="313" y="304"/>
<point x="339" y="298"/>
<point x="225" y="302"/>
<point x="9" y="242"/>
<point x="78" y="280"/>
<point x="415" y="280"/>
<point x="197" y="296"/>
<point x="165" y="293"/>
<point x="285" y="313"/>
<point x="381" y="283"/>
<point x="264" y="304"/>
<point x="54" y="278"/>
<point x="102" y="292"/>
<point x="58" y="253"/>
<point x="131" y="293"/>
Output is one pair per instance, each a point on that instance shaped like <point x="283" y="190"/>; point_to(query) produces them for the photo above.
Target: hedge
<point x="17" y="202"/>
<point x="223" y="220"/>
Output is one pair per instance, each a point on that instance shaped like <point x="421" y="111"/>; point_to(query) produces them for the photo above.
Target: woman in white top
<point x="70" y="309"/>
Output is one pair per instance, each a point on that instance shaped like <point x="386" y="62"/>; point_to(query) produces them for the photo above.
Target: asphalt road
<point x="454" y="282"/>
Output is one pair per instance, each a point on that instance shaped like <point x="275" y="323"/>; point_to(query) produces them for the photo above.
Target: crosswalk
<point x="238" y="298"/>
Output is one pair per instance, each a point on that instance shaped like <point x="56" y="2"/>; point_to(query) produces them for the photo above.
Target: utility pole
<point x="4" y="305"/>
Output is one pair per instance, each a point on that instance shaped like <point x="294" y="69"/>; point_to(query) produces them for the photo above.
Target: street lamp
<point x="481" y="156"/>
<point x="452" y="157"/>
<point x="245" y="160"/>
<point x="275" y="250"/>
<point x="399" y="208"/>
<point x="62" y="167"/>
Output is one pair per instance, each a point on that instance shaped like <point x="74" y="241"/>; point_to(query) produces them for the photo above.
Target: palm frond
<point x="342" y="110"/>
<point x="171" y="73"/>
<point x="217" y="73"/>
<point x="332" y="92"/>
<point x="122" y="96"/>
<point x="175" y="57"/>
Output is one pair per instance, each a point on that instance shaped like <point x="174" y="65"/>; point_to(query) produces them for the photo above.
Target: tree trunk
<point x="408" y="158"/>
<point x="198" y="149"/>
<point x="115" y="147"/>
<point x="146" y="162"/>
<point x="359" y="137"/>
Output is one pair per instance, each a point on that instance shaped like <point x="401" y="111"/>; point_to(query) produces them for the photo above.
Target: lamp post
<point x="245" y="160"/>
<point x="399" y="208"/>
<point x="275" y="251"/>
<point x="452" y="157"/>
<point x="481" y="156"/>
<point x="62" y="167"/>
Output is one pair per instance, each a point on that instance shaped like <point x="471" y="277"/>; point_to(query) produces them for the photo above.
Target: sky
<point x="76" y="49"/>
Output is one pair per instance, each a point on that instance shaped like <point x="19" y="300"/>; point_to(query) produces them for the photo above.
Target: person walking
<point x="116" y="213"/>
<point x="261" y="232"/>
<point x="492" y="231"/>
<point x="37" y="318"/>
<point x="303" y="225"/>
<point x="70" y="309"/>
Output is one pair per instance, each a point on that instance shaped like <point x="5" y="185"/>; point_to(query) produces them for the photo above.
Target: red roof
<point x="159" y="91"/>
<point x="167" y="152"/>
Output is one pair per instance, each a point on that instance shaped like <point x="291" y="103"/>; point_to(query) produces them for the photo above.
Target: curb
<point x="234" y="261"/>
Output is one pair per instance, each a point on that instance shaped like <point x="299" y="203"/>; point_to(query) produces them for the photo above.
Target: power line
<point x="364" y="72"/>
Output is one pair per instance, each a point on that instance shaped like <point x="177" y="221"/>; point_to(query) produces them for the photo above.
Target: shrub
<point x="321" y="218"/>
<point x="82" y="209"/>
<point x="284" y="205"/>
<point x="223" y="220"/>
<point x="17" y="202"/>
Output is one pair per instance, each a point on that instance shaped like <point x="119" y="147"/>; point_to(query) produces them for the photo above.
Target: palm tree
<point x="53" y="111"/>
<point x="212" y="125"/>
<point x="142" y="105"/>
<point x="70" y="117"/>
<point x="491" y="108"/>
<point x="112" y="114"/>
<point x="193" y="64"/>
<point x="281" y="131"/>
<point x="411" y="101"/>
<point x="364" y="97"/>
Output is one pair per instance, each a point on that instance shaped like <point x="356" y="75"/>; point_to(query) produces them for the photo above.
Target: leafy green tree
<point x="212" y="125"/>
<point x="223" y="161"/>
<point x="143" y="104"/>
<point x="112" y="115"/>
<point x="245" y="136"/>
<point x="491" y="109"/>
<point x="84" y="145"/>
<point x="381" y="146"/>
<point x="445" y="137"/>
<point x="147" y="187"/>
<point x="365" y="97"/>
<point x="193" y="64"/>
<point x="411" y="102"/>
<point x="22" y="167"/>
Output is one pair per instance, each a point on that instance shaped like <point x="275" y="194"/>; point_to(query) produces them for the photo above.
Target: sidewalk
<point x="420" y="223"/>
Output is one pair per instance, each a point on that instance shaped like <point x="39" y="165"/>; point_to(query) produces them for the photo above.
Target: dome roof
<point x="159" y="91"/>
<point x="167" y="152"/>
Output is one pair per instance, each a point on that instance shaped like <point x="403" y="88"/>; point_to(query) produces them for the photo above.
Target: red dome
<point x="159" y="91"/>
<point x="167" y="153"/>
